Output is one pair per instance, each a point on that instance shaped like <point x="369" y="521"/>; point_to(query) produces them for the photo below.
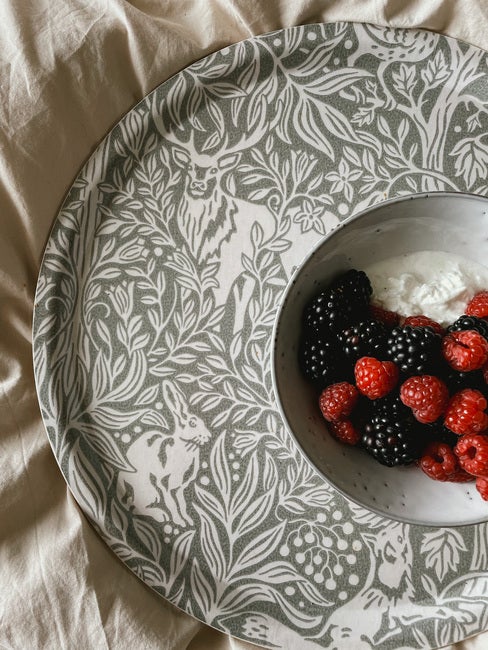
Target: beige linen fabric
<point x="69" y="70"/>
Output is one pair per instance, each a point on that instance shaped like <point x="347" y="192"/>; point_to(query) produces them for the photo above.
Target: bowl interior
<point x="456" y="223"/>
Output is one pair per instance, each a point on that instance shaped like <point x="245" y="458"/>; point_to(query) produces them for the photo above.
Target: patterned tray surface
<point x="154" y="310"/>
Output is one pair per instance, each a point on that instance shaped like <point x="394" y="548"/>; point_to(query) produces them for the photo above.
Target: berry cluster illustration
<point x="404" y="389"/>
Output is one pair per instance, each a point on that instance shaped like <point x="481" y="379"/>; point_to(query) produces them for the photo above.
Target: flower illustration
<point x="342" y="179"/>
<point x="471" y="159"/>
<point x="312" y="216"/>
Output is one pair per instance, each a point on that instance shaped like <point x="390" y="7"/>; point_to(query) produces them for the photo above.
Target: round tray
<point x="152" y="332"/>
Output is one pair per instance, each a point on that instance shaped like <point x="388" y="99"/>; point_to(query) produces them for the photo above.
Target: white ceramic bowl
<point x="449" y="222"/>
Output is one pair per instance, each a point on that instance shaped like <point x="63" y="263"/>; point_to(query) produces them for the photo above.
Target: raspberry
<point x="345" y="431"/>
<point x="423" y="321"/>
<point x="478" y="305"/>
<point x="415" y="350"/>
<point x="460" y="476"/>
<point x="338" y="400"/>
<point x="389" y="318"/>
<point x="426" y="395"/>
<point x="439" y="461"/>
<point x="472" y="452"/>
<point x="375" y="378"/>
<point x="465" y="350"/>
<point x="482" y="487"/>
<point x="465" y="412"/>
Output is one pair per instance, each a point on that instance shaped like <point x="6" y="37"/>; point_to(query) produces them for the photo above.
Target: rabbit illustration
<point x="162" y="465"/>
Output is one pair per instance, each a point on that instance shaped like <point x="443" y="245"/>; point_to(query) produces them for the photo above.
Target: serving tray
<point x="152" y="332"/>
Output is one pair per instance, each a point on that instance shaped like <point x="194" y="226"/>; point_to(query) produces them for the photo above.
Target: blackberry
<point x="465" y="322"/>
<point x="415" y="350"/>
<point x="365" y="339"/>
<point x="392" y="442"/>
<point x="437" y="432"/>
<point x="391" y="407"/>
<point x="363" y="412"/>
<point x="456" y="381"/>
<point x="354" y="285"/>
<point x="341" y="304"/>
<point x="319" y="362"/>
<point x="327" y="313"/>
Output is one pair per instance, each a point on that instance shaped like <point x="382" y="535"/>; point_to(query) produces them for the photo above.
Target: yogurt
<point x="432" y="283"/>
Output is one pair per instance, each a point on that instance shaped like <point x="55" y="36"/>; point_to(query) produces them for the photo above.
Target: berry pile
<point x="405" y="390"/>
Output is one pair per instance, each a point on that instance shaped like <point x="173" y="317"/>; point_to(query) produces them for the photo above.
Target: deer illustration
<point x="206" y="215"/>
<point x="206" y="205"/>
<point x="162" y="465"/>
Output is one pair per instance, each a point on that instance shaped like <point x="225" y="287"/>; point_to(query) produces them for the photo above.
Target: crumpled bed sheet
<point x="70" y="69"/>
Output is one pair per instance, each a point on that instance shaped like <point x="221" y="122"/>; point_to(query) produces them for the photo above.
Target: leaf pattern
<point x="443" y="550"/>
<point x="152" y="332"/>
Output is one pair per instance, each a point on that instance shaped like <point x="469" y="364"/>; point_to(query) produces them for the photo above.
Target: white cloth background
<point x="69" y="70"/>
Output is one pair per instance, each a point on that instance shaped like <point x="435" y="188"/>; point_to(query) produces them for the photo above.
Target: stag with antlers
<point x="206" y="206"/>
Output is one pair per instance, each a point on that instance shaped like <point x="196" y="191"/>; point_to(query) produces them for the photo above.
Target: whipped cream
<point x="432" y="283"/>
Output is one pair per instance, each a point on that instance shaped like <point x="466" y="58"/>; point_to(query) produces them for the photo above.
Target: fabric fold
<point x="68" y="73"/>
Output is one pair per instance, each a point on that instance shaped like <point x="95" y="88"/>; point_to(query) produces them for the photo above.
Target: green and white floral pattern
<point x="152" y="332"/>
